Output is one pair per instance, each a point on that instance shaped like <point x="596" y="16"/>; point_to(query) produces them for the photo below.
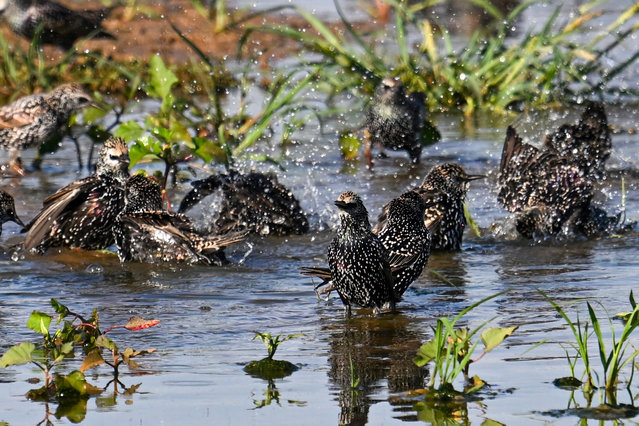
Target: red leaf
<point x="137" y="323"/>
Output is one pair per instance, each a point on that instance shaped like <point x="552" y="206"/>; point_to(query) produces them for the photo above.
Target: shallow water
<point x="209" y="315"/>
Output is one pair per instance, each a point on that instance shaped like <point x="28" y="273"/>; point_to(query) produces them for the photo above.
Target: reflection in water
<point x="272" y="394"/>
<point x="365" y="350"/>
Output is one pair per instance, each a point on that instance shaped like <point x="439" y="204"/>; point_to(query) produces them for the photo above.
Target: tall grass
<point x="491" y="71"/>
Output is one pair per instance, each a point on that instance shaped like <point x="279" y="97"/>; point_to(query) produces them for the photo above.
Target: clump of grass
<point x="451" y="349"/>
<point x="269" y="368"/>
<point x="615" y="355"/>
<point x="492" y="71"/>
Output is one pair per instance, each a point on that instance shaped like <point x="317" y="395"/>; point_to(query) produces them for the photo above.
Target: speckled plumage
<point x="398" y="121"/>
<point x="255" y="202"/>
<point x="357" y="260"/>
<point x="551" y="187"/>
<point x="406" y="239"/>
<point x="32" y="120"/>
<point x="146" y="233"/>
<point x="8" y="210"/>
<point x="61" y="26"/>
<point x="82" y="214"/>
<point x="444" y="189"/>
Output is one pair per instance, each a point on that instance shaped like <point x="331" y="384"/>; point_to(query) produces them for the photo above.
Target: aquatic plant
<point x="614" y="358"/>
<point x="451" y="350"/>
<point x="269" y="368"/>
<point x="492" y="71"/>
<point x="78" y="331"/>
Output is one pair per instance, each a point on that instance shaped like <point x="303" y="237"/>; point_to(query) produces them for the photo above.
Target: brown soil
<point x="144" y="30"/>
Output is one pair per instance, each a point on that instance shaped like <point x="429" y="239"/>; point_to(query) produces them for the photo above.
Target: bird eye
<point x="114" y="157"/>
<point x="83" y="100"/>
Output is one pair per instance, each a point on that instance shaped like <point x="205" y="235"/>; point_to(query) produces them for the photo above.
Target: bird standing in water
<point x="59" y="25"/>
<point x="444" y="190"/>
<point x="8" y="210"/>
<point x="83" y="213"/>
<point x="358" y="262"/>
<point x="406" y="240"/>
<point x="144" y="232"/>
<point x="398" y="121"/>
<point x="33" y="120"/>
<point x="553" y="186"/>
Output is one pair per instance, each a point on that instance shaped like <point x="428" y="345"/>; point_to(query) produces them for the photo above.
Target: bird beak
<point x="474" y="177"/>
<point x="340" y="204"/>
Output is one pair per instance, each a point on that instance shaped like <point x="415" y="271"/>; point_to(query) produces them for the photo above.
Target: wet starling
<point x="444" y="190"/>
<point x="398" y="121"/>
<point x="8" y="210"/>
<point x="406" y="240"/>
<point x="551" y="188"/>
<point x="35" y="119"/>
<point x="256" y="202"/>
<point x="60" y="26"/>
<point x="83" y="214"/>
<point x="146" y="233"/>
<point x="357" y="259"/>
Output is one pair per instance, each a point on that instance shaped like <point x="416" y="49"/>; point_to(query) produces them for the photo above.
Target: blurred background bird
<point x="52" y="22"/>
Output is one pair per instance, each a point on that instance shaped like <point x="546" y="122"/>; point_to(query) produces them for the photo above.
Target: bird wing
<point x="54" y="206"/>
<point x="22" y="112"/>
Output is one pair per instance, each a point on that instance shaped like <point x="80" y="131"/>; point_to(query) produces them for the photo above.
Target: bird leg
<point x="15" y="162"/>
<point x="367" y="148"/>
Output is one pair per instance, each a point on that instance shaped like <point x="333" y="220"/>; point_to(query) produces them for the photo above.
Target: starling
<point x="8" y="210"/>
<point x="357" y="259"/>
<point x="255" y="202"/>
<point x="398" y="121"/>
<point x="550" y="188"/>
<point x="146" y="233"/>
<point x="444" y="190"/>
<point x="83" y="213"/>
<point x="59" y="25"/>
<point x="33" y="120"/>
<point x="406" y="240"/>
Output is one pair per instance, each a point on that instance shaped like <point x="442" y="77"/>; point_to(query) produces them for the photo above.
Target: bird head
<point x="114" y="159"/>
<point x="450" y="178"/>
<point x="350" y="205"/>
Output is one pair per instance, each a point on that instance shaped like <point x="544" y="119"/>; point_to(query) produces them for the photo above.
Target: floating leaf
<point x="17" y="355"/>
<point x="137" y="323"/>
<point x="492" y="337"/>
<point x="39" y="322"/>
<point x="93" y="359"/>
<point x="74" y="383"/>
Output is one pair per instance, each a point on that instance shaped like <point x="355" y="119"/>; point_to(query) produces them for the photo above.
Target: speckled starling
<point x="255" y="201"/>
<point x="548" y="189"/>
<point x="32" y="120"/>
<point x="146" y="233"/>
<point x="60" y="26"/>
<point x="398" y="121"/>
<point x="82" y="214"/>
<point x="444" y="189"/>
<point x="406" y="240"/>
<point x="8" y="210"/>
<point x="357" y="259"/>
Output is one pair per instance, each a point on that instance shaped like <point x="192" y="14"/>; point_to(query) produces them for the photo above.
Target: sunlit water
<point x="209" y="315"/>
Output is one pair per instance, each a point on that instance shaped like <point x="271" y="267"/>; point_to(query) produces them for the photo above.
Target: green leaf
<point x="492" y="337"/>
<point x="349" y="145"/>
<point x="104" y="342"/>
<point x="62" y="351"/>
<point x="162" y="78"/>
<point x="91" y="114"/>
<point x="426" y="353"/>
<point x="17" y="355"/>
<point x="59" y="309"/>
<point x="208" y="150"/>
<point x="471" y="222"/>
<point x="129" y="131"/>
<point x="39" y="322"/>
<point x="74" y="383"/>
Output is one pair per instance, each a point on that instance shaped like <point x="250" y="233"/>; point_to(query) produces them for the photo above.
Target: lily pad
<point x="569" y="383"/>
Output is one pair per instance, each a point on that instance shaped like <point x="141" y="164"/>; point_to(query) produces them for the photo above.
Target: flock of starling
<point x="549" y="188"/>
